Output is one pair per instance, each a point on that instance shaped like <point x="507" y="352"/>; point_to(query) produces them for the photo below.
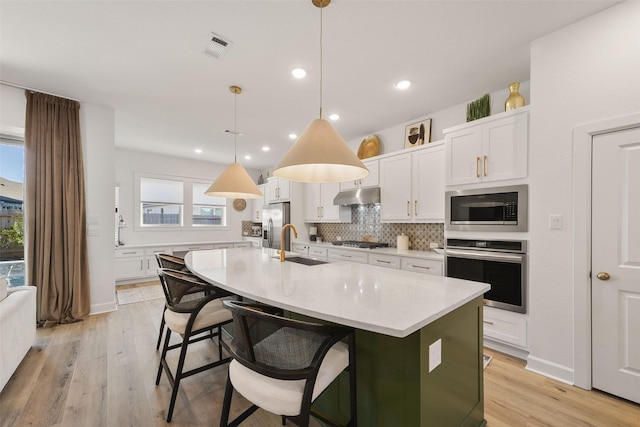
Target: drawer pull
<point x="129" y="253"/>
<point x="421" y="266"/>
<point x="345" y="256"/>
<point x="487" y="322"/>
<point x="477" y="167"/>
<point x="383" y="261"/>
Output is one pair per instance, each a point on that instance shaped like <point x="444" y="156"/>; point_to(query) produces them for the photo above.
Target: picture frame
<point x="417" y="134"/>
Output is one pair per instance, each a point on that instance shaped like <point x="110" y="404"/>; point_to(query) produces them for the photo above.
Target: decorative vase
<point x="515" y="100"/>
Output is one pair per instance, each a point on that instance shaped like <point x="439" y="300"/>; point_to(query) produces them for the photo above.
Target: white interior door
<point x="615" y="279"/>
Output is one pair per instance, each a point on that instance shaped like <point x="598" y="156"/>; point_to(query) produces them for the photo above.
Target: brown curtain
<point x="56" y="246"/>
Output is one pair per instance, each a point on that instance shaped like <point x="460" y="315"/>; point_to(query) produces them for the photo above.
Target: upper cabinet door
<point x="428" y="184"/>
<point x="493" y="149"/>
<point x="395" y="188"/>
<point x="504" y="148"/>
<point x="464" y="153"/>
<point x="371" y="180"/>
<point x="311" y="202"/>
<point x="277" y="190"/>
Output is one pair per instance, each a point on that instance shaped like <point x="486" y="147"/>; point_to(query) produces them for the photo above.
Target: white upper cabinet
<point x="427" y="185"/>
<point x="257" y="204"/>
<point x="490" y="149"/>
<point x="412" y="185"/>
<point x="318" y="203"/>
<point x="371" y="180"/>
<point x="277" y="190"/>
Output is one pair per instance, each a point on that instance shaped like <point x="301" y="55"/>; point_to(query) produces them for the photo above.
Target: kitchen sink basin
<point x="305" y="261"/>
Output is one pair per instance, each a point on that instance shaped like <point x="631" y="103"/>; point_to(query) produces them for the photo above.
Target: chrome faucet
<point x="295" y="233"/>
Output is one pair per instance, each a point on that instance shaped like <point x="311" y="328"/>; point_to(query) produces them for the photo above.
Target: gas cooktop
<point x="360" y="244"/>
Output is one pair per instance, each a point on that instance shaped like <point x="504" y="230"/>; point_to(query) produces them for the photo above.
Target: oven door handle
<point x="487" y="256"/>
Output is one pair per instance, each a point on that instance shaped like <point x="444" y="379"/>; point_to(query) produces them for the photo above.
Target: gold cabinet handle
<point x="603" y="275"/>
<point x="383" y="261"/>
<point x="484" y="166"/>
<point x="477" y="167"/>
<point x="420" y="266"/>
<point x="487" y="322"/>
<point x="415" y="207"/>
<point x="408" y="207"/>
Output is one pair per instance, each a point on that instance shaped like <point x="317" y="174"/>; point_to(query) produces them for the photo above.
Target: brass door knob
<point x="603" y="275"/>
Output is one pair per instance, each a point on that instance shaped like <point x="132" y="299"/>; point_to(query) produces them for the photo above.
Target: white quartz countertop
<point x="384" y="251"/>
<point x="377" y="299"/>
<point x="181" y="244"/>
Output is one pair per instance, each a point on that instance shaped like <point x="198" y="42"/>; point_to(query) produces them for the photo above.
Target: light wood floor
<point x="101" y="372"/>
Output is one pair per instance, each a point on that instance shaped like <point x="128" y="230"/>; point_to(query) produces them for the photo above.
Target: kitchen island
<point x="419" y="337"/>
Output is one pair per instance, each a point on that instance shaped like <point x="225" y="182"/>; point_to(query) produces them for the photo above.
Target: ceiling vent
<point x="230" y="132"/>
<point x="216" y="45"/>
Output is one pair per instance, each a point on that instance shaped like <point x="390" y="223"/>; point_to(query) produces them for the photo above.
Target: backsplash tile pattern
<point x="246" y="228"/>
<point x="366" y="222"/>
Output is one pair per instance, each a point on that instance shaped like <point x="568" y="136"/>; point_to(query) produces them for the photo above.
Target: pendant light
<point x="320" y="154"/>
<point x="235" y="182"/>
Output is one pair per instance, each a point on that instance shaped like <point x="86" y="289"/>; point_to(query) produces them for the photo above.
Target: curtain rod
<point x="36" y="90"/>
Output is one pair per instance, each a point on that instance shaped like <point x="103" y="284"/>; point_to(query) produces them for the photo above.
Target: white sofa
<point x="17" y="329"/>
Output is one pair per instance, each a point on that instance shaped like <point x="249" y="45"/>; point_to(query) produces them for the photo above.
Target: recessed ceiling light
<point x="292" y="136"/>
<point x="334" y="116"/>
<point x="298" y="73"/>
<point x="403" y="84"/>
<point x="247" y="157"/>
<point x="265" y="148"/>
<point x="198" y="150"/>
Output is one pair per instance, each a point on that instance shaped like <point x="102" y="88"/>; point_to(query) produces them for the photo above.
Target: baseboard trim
<point x="549" y="369"/>
<point x="516" y="352"/>
<point x="103" y="308"/>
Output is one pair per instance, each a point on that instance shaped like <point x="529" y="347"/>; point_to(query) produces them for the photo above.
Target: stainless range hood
<point x="358" y="196"/>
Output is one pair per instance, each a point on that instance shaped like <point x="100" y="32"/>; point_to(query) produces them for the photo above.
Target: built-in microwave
<point x="487" y="209"/>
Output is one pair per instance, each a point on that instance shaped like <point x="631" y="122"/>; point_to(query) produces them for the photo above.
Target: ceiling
<point x="144" y="59"/>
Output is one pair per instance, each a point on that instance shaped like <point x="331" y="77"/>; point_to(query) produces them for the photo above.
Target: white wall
<point x="392" y="138"/>
<point x="583" y="73"/>
<point x="128" y="162"/>
<point x="97" y="130"/>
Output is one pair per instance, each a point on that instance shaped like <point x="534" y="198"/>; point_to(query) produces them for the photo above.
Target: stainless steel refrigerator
<point x="274" y="217"/>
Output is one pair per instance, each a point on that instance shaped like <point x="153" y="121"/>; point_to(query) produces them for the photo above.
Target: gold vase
<point x="515" y="100"/>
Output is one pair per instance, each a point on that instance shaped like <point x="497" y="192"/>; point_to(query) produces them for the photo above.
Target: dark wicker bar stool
<point x="282" y="365"/>
<point x="194" y="319"/>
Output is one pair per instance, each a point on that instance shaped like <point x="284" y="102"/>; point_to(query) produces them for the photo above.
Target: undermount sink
<point x="305" y="261"/>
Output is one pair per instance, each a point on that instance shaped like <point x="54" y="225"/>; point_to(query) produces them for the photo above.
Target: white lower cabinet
<point x="129" y="264"/>
<point x="347" y="255"/>
<point x="141" y="264"/>
<point x="505" y="326"/>
<point x="138" y="263"/>
<point x="300" y="248"/>
<point x="317" y="252"/>
<point x="388" y="261"/>
<point x="426" y="266"/>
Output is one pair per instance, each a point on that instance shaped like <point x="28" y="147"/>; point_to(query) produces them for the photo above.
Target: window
<point x="170" y="202"/>
<point x="207" y="210"/>
<point x="160" y="202"/>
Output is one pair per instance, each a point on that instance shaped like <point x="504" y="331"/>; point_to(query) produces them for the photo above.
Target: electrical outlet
<point x="338" y="238"/>
<point x="433" y="245"/>
<point x="555" y="222"/>
<point x="435" y="355"/>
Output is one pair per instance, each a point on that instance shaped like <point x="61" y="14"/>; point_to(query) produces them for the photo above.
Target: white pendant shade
<point x="320" y="155"/>
<point x="234" y="183"/>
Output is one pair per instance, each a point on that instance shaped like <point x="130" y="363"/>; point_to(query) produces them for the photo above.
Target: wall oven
<point x="487" y="209"/>
<point x="501" y="263"/>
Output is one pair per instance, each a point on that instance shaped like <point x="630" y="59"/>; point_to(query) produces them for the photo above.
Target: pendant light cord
<point x="321" y="7"/>
<point x="235" y="128"/>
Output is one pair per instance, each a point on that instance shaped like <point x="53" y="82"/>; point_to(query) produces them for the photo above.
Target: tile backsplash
<point x="365" y="221"/>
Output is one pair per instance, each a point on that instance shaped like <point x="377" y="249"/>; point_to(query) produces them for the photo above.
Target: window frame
<point x="186" y="206"/>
